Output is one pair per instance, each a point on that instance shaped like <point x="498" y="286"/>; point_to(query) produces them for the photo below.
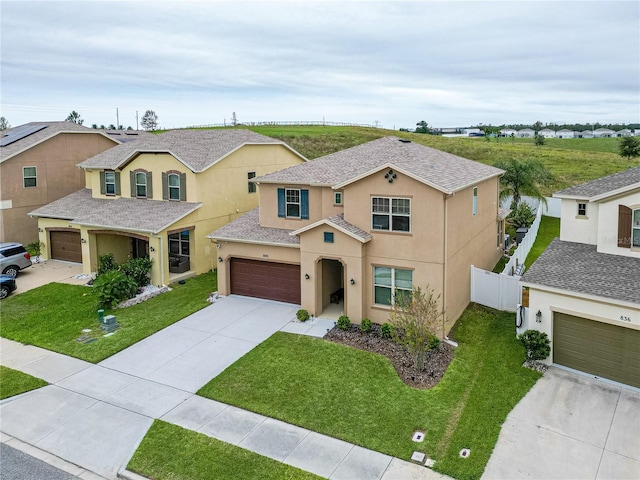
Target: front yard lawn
<point x="171" y="452"/>
<point x="357" y="396"/>
<point x="54" y="315"/>
<point x="13" y="382"/>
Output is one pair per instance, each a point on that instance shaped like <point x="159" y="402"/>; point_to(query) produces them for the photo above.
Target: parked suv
<point x="7" y="285"/>
<point x="13" y="258"/>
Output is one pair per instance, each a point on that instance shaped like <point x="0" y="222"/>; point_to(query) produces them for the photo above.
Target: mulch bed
<point x="436" y="361"/>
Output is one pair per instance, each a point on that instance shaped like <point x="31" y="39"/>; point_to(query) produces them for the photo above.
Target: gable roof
<point x="196" y="149"/>
<point x="133" y="214"/>
<point x="604" y="186"/>
<point x="339" y="223"/>
<point x="46" y="131"/>
<point x="579" y="268"/>
<point x="444" y="171"/>
<point x="247" y="229"/>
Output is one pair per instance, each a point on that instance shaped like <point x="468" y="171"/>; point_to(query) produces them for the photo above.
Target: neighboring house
<point x="346" y="233"/>
<point x="565" y="133"/>
<point x="507" y="132"/>
<point x="159" y="197"/>
<point x="37" y="166"/>
<point x="603" y="132"/>
<point x="585" y="134"/>
<point x="526" y="133"/>
<point x="586" y="285"/>
<point x="625" y="132"/>
<point x="547" y="133"/>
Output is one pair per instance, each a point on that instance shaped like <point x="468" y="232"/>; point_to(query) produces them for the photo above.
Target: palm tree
<point x="522" y="177"/>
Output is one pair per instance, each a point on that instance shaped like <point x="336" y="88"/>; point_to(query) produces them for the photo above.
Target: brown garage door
<point x="66" y="246"/>
<point x="273" y="281"/>
<point x="597" y="348"/>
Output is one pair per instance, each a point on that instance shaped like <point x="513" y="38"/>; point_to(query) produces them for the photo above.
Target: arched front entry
<point x="330" y="288"/>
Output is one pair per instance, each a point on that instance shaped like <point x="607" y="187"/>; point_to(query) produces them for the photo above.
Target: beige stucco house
<point x="38" y="165"/>
<point x="584" y="290"/>
<point x="345" y="233"/>
<point x="159" y="197"/>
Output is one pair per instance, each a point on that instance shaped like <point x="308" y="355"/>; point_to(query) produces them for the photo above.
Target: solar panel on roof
<point x="19" y="133"/>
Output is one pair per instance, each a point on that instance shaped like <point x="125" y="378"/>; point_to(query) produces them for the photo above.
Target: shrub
<point x="366" y="325"/>
<point x="35" y="248"/>
<point x="302" y="315"/>
<point x="434" y="342"/>
<point x="113" y="287"/>
<point x="106" y="263"/>
<point x="386" y="330"/>
<point x="536" y="343"/>
<point x="343" y="322"/>
<point x="138" y="269"/>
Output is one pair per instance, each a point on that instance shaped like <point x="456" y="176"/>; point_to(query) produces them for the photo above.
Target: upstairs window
<point x="293" y="203"/>
<point x="635" y="229"/>
<point x="391" y="214"/>
<point x="110" y="182"/>
<point x="251" y="185"/>
<point x="29" y="177"/>
<point x="337" y="198"/>
<point x="475" y="201"/>
<point x="141" y="184"/>
<point x="582" y="209"/>
<point x="174" y="186"/>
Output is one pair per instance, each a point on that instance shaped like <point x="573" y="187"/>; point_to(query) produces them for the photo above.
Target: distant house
<point x="526" y="133"/>
<point x="547" y="133"/>
<point x="603" y="133"/>
<point x="585" y="134"/>
<point x="507" y="132"/>
<point x="584" y="290"/>
<point x="624" y="133"/>
<point x="38" y="166"/>
<point x="565" y="133"/>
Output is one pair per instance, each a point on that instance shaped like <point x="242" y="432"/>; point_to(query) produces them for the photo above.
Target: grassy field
<point x="54" y="315"/>
<point x="358" y="397"/>
<point x="169" y="452"/>
<point x="13" y="382"/>
<point x="549" y="229"/>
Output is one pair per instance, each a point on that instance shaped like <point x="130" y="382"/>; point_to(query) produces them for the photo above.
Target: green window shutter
<point x="117" y="183"/>
<point x="103" y="186"/>
<point x="304" y="204"/>
<point x="165" y="186"/>
<point x="149" y="186"/>
<point x="281" y="204"/>
<point x="183" y="187"/>
<point x="132" y="177"/>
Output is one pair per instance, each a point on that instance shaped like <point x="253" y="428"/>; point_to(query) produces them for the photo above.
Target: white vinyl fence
<point x="495" y="290"/>
<point x="524" y="248"/>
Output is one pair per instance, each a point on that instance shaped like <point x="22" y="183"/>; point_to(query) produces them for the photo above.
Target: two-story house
<point x="159" y="197"/>
<point x="348" y="232"/>
<point x="584" y="290"/>
<point x="38" y="165"/>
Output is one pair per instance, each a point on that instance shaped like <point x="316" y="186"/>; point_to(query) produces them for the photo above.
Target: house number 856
<point x="624" y="318"/>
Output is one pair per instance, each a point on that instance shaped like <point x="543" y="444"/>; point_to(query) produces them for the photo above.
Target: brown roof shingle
<point x="247" y="229"/>
<point x="603" y="185"/>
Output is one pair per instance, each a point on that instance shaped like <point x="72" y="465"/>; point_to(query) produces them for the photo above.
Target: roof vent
<point x="404" y="140"/>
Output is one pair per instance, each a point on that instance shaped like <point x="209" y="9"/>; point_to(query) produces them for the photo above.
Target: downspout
<point x="161" y="258"/>
<point x="445" y="251"/>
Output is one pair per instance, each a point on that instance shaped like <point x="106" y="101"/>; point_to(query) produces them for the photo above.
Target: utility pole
<point x="137" y="120"/>
<point x="117" y="119"/>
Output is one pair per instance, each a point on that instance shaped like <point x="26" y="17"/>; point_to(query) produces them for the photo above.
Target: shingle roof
<point x="579" y="268"/>
<point x="51" y="129"/>
<point x="338" y="222"/>
<point x="247" y="229"/>
<point x="121" y="213"/>
<point x="197" y="149"/>
<point x="604" y="185"/>
<point x="445" y="171"/>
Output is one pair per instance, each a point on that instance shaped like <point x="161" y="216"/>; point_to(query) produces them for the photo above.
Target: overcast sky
<point x="392" y="62"/>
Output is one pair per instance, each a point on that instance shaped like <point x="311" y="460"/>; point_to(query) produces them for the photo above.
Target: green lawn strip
<point x="54" y="315"/>
<point x="357" y="396"/>
<point x="171" y="452"/>
<point x="14" y="382"/>
<point x="549" y="229"/>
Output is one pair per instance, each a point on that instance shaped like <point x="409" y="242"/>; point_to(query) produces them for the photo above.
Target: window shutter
<point x="165" y="186"/>
<point x="281" y="204"/>
<point x="103" y="186"/>
<point x="304" y="204"/>
<point x="183" y="187"/>
<point x="117" y="183"/>
<point x="134" y="192"/>
<point x="149" y="185"/>
<point x="624" y="226"/>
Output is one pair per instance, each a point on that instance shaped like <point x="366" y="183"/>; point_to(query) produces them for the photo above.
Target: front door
<point x="139" y="248"/>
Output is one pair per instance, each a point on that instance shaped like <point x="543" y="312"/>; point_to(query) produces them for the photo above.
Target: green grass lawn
<point x="549" y="229"/>
<point x="171" y="452"/>
<point x="358" y="397"/>
<point x="13" y="382"/>
<point x="54" y="315"/>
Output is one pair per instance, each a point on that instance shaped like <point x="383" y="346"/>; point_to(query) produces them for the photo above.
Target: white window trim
<point x="141" y="184"/>
<point x="107" y="183"/>
<point x="24" y="177"/>
<point x="393" y="285"/>
<point x="169" y="186"/>
<point x="475" y="201"/>
<point x="337" y="195"/>
<point x="582" y="215"/>
<point x="634" y="227"/>
<point x="391" y="215"/>
<point x="287" y="202"/>
<point x="250" y="183"/>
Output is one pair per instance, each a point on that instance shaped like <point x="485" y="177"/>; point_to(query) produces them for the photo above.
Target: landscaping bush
<point x="302" y="315"/>
<point x="35" y="248"/>
<point x="106" y="263"/>
<point x="386" y="330"/>
<point x="366" y="325"/>
<point x="343" y="322"/>
<point x="138" y="269"/>
<point x="113" y="287"/>
<point x="536" y="343"/>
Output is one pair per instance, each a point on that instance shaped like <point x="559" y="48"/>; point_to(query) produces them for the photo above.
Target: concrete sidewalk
<point x="95" y="416"/>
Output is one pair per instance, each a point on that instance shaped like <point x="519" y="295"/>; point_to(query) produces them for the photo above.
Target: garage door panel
<point x="270" y="280"/>
<point x="65" y="245"/>
<point x="603" y="350"/>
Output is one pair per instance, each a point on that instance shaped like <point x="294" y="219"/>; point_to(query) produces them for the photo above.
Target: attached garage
<point x="269" y="280"/>
<point x="65" y="245"/>
<point x="601" y="349"/>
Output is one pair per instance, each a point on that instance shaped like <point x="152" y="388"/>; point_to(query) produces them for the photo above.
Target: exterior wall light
<point x="539" y="316"/>
<point x="352" y="281"/>
<point x="219" y="259"/>
<point x="306" y="276"/>
<point x="82" y="240"/>
<point x="151" y="249"/>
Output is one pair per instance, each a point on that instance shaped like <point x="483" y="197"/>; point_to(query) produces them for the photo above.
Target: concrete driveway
<point x="570" y="426"/>
<point x="42" y="273"/>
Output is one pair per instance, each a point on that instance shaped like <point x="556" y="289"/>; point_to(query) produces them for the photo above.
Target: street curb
<point x="129" y="475"/>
